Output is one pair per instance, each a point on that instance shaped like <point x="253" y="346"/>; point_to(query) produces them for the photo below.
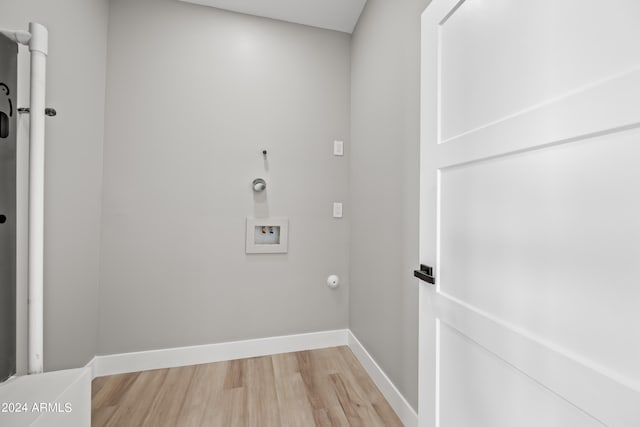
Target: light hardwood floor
<point x="325" y="387"/>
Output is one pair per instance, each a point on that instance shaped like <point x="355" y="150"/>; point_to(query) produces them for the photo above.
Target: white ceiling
<point x="339" y="15"/>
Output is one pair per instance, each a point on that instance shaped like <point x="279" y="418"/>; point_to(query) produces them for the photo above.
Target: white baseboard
<point x="403" y="409"/>
<point x="195" y="355"/>
<point x="91" y="365"/>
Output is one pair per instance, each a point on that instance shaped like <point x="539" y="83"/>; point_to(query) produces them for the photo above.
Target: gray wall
<point x="193" y="96"/>
<point x="76" y="88"/>
<point x="384" y="187"/>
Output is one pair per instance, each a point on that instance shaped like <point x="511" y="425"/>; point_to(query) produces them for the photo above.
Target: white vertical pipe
<point x="38" y="45"/>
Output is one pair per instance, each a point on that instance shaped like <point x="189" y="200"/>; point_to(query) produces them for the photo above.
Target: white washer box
<point x="267" y="235"/>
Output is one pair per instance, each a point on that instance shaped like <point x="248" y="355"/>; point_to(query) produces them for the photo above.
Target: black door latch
<point x="425" y="273"/>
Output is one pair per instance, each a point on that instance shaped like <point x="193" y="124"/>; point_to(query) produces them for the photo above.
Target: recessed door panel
<point x="549" y="240"/>
<point x="542" y="50"/>
<point x="474" y="381"/>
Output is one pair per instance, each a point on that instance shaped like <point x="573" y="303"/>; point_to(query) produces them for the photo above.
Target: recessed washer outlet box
<point x="267" y="235"/>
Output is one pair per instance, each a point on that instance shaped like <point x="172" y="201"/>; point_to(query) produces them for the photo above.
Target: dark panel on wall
<point x="8" y="88"/>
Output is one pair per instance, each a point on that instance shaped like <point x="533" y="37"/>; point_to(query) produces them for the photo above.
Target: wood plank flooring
<point x="325" y="387"/>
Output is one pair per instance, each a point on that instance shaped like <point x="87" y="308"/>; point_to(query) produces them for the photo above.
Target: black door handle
<point x="425" y="273"/>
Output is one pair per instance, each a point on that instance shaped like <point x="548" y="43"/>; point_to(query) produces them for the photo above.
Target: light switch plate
<point x="337" y="210"/>
<point x="338" y="148"/>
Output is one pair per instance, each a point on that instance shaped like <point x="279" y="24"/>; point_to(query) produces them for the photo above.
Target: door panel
<point x="8" y="83"/>
<point x="541" y="240"/>
<point x="544" y="49"/>
<point x="530" y="213"/>
<point x="476" y="380"/>
<point x="609" y="397"/>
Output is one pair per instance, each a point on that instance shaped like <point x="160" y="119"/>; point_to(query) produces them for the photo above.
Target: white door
<point x="530" y="213"/>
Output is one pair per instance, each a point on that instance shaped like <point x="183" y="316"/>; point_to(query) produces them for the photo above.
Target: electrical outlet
<point x="337" y="210"/>
<point x="338" y="148"/>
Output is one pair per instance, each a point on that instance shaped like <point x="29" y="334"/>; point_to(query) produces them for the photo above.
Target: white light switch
<point x="337" y="210"/>
<point x="338" y="148"/>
